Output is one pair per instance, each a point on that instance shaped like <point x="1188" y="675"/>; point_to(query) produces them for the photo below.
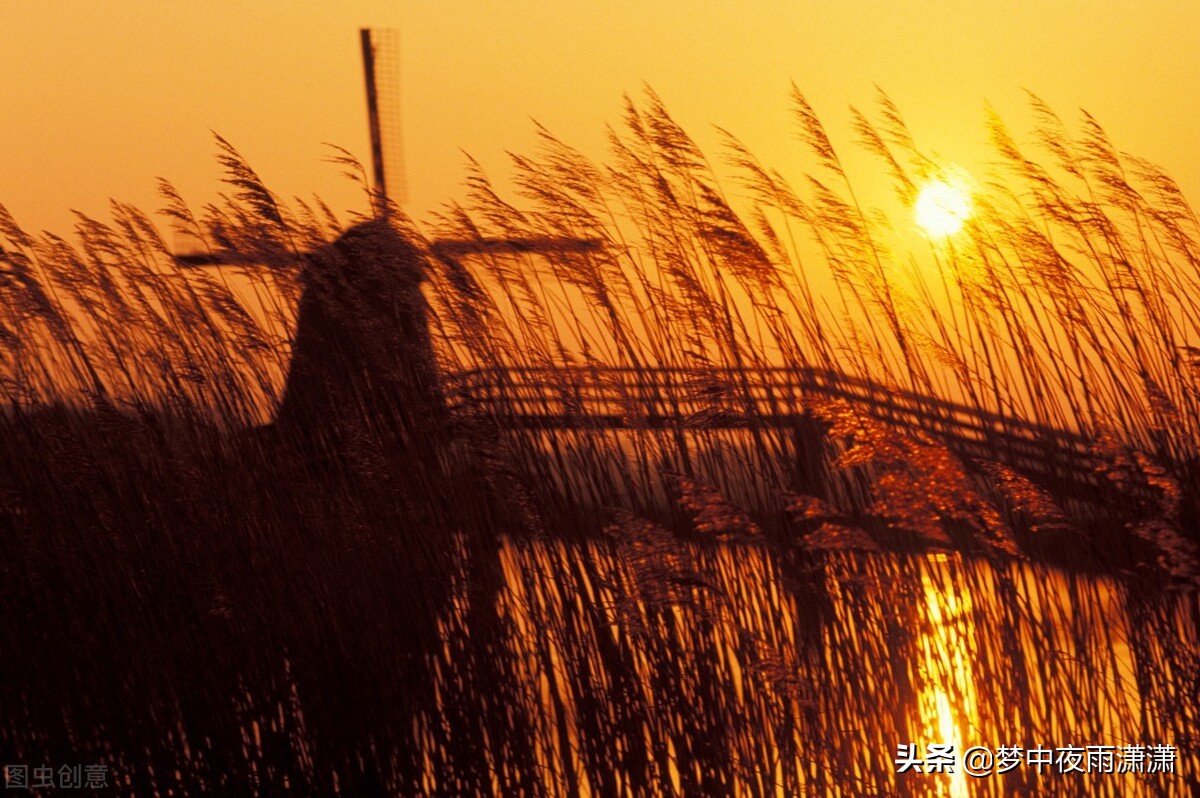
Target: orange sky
<point x="99" y="99"/>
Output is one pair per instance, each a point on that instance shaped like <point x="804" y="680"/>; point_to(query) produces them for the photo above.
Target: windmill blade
<point x="381" y="69"/>
<point x="446" y="249"/>
<point x="451" y="251"/>
<point x="452" y="248"/>
<point x="221" y="257"/>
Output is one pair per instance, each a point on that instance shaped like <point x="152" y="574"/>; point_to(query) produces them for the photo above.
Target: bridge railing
<point x="716" y="398"/>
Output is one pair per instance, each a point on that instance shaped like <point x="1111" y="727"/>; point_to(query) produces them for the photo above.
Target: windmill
<point x="363" y="288"/>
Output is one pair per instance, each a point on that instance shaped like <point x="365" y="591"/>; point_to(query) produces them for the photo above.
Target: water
<point x="637" y="665"/>
<point x="309" y="633"/>
<point x="727" y="670"/>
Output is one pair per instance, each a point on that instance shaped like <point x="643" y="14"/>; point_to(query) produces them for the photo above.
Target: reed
<point x="204" y="606"/>
<point x="1068" y="300"/>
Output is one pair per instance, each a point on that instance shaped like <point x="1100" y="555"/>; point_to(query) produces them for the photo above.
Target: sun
<point x="942" y="206"/>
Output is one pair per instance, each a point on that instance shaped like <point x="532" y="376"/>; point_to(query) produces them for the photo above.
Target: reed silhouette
<point x="289" y="523"/>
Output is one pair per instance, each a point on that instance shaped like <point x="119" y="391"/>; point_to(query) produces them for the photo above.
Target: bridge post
<point x="811" y="455"/>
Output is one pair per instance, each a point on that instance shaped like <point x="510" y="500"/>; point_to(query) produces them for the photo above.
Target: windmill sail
<point x="381" y="69"/>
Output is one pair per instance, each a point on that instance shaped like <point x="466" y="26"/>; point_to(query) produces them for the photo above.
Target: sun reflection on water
<point x="701" y="669"/>
<point x="947" y="695"/>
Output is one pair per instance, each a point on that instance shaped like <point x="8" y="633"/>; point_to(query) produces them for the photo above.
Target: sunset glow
<point x="560" y="399"/>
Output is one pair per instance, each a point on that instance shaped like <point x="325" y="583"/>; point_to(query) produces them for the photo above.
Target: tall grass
<point x="1068" y="300"/>
<point x="204" y="605"/>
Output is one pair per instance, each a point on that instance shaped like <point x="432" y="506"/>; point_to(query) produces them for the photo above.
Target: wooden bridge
<point x="567" y="398"/>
